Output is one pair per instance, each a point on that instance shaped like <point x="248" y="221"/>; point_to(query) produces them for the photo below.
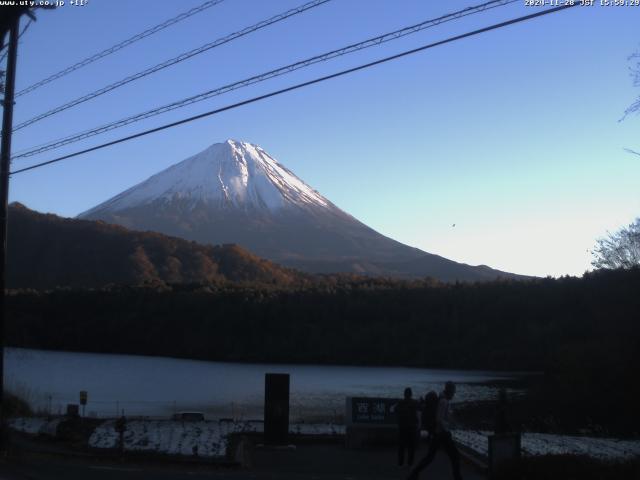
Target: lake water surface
<point x="158" y="386"/>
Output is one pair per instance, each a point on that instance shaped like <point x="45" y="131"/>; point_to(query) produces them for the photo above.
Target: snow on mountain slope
<point x="230" y="173"/>
<point x="234" y="192"/>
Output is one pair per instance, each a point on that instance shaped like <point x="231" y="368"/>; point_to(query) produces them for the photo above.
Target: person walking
<point x="442" y="437"/>
<point x="407" y="417"/>
<point x="429" y="409"/>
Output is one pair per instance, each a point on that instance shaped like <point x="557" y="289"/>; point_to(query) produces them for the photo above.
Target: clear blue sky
<point x="512" y="135"/>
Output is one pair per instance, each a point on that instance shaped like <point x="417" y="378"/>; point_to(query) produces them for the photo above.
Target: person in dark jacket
<point x="428" y="412"/>
<point x="442" y="438"/>
<point x="407" y="416"/>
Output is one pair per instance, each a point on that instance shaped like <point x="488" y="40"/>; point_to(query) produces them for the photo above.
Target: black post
<point x="276" y="408"/>
<point x="5" y="165"/>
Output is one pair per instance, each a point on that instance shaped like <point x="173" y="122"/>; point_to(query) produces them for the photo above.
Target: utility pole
<point x="5" y="165"/>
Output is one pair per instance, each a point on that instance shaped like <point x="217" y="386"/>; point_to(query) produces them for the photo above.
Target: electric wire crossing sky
<point x="324" y="57"/>
<point x="372" y="42"/>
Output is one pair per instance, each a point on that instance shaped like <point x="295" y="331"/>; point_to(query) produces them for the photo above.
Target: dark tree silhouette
<point x="620" y="249"/>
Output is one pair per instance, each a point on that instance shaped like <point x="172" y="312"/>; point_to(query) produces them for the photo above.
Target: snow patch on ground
<point x="207" y="438"/>
<point x="210" y="438"/>
<point x="31" y="425"/>
<point x="317" y="429"/>
<point x="545" y="444"/>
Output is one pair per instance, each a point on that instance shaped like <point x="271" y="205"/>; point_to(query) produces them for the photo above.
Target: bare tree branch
<point x="620" y="249"/>
<point x="634" y="71"/>
<point x="628" y="150"/>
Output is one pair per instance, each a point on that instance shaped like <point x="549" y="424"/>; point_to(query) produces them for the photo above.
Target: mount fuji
<point x="235" y="192"/>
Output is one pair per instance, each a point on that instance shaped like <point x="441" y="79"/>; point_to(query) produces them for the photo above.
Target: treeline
<point x="583" y="333"/>
<point x="497" y="325"/>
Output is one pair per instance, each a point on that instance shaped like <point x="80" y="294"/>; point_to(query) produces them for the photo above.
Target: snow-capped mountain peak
<point x="235" y="192"/>
<point x="229" y="174"/>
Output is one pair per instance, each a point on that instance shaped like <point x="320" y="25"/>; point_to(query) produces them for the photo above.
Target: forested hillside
<point x="47" y="251"/>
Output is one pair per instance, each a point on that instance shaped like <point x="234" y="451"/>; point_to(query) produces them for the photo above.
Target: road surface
<point x="313" y="462"/>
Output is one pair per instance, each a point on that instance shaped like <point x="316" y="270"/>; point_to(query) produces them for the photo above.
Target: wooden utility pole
<point x="5" y="165"/>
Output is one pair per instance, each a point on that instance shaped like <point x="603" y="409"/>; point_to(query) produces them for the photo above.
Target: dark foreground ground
<point x="323" y="461"/>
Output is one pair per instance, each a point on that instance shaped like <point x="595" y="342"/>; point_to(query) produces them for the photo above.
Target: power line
<point x="371" y="42"/>
<point x="173" y="61"/>
<point x="120" y="46"/>
<point x="300" y="85"/>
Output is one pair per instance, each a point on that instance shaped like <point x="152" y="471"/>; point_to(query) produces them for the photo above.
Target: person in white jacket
<point x="442" y="438"/>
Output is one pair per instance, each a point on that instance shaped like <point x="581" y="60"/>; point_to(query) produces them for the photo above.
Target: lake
<point x="159" y="386"/>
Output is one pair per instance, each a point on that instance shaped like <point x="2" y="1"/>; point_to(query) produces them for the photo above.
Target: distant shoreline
<point x="508" y="373"/>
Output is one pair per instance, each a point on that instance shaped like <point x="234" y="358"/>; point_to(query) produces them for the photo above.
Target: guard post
<point x="83" y="400"/>
<point x="276" y="408"/>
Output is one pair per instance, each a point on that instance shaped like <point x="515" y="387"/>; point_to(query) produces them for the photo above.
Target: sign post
<point x="371" y="411"/>
<point x="83" y="400"/>
<point x="276" y="408"/>
<point x="370" y="421"/>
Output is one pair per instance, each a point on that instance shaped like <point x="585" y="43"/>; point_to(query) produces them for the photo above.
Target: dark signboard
<point x="276" y="408"/>
<point x="371" y="410"/>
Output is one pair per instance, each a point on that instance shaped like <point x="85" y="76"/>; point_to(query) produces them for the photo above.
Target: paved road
<point x="313" y="462"/>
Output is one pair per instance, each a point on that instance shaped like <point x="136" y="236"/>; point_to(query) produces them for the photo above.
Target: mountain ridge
<point x="235" y="192"/>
